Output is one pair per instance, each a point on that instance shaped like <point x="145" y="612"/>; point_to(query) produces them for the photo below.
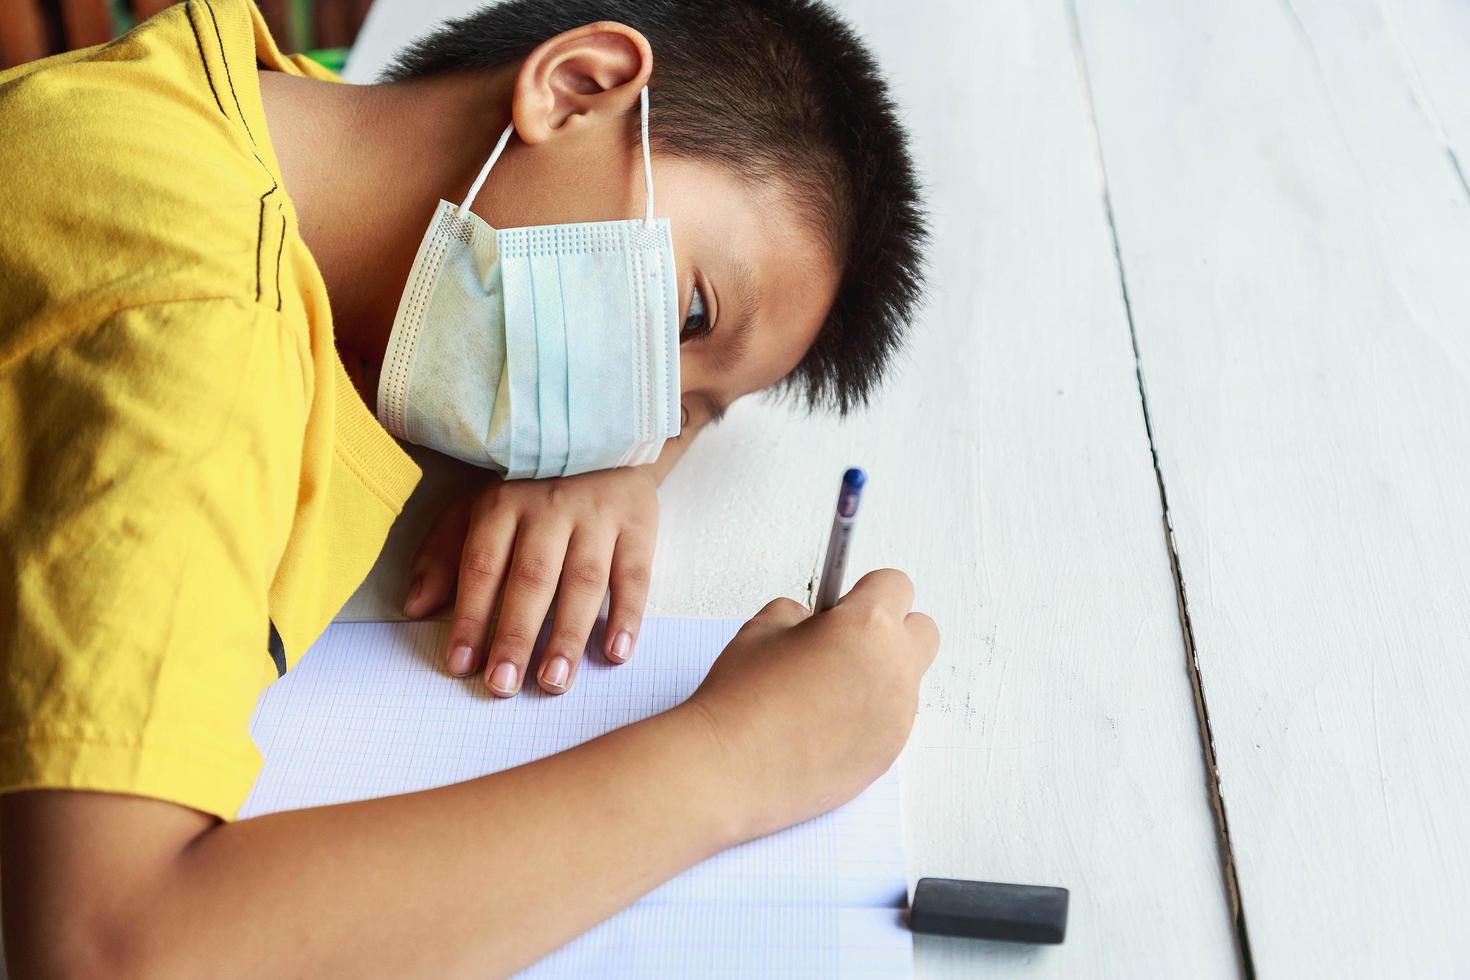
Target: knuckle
<point x="787" y="606"/>
<point x="782" y="610"/>
<point x="514" y="638"/>
<point x="490" y="499"/>
<point x="874" y="617"/>
<point x="640" y="527"/>
<point x="930" y="636"/>
<point x="467" y="631"/>
<point x="480" y="561"/>
<point x="569" y="641"/>
<point x="584" y="576"/>
<point x="644" y="505"/>
<point x="897" y="577"/>
<point x="634" y="575"/>
<point x="533" y="573"/>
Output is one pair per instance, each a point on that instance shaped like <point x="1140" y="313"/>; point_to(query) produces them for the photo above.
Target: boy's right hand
<point x="809" y="709"/>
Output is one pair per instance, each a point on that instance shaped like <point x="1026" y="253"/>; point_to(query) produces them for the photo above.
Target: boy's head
<point x="780" y="164"/>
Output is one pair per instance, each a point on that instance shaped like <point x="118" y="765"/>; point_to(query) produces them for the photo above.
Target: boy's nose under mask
<point x="542" y="351"/>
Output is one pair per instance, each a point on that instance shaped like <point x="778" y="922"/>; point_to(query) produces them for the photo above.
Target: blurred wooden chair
<point x="338" y="21"/>
<point x="31" y="29"/>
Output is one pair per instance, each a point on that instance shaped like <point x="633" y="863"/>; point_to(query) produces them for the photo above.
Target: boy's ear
<point x="581" y="74"/>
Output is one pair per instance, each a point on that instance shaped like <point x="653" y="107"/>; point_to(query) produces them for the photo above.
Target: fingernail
<point x="503" y="678"/>
<point x="413" y="596"/>
<point x="554" y="674"/>
<point x="622" y="647"/>
<point x="461" y="660"/>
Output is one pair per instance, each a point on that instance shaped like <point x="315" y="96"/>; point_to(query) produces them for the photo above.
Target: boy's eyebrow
<point x="747" y="295"/>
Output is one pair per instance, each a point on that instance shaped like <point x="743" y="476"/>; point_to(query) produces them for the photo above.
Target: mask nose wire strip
<point x="647" y="162"/>
<point x="485" y="170"/>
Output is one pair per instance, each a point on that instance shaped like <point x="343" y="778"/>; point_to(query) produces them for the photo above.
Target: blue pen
<point x="830" y="589"/>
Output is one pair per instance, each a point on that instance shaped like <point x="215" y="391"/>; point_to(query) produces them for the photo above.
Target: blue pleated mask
<point x="541" y="351"/>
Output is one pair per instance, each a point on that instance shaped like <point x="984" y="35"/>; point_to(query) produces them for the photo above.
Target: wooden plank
<point x="1295" y="243"/>
<point x="1010" y="475"/>
<point x="1433" y="40"/>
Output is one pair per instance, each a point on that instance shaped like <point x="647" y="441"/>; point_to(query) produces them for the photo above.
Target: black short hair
<point x="763" y="87"/>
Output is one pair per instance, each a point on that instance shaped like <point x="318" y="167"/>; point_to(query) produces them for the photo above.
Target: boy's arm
<point x="573" y="538"/>
<point x="797" y="715"/>
<point x="481" y="877"/>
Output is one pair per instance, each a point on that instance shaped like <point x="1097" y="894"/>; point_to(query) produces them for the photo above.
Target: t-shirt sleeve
<point x="148" y="478"/>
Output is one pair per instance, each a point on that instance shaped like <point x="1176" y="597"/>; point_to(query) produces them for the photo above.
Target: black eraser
<point x="989" y="910"/>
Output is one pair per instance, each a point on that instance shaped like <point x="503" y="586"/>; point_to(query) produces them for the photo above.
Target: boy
<point x="216" y="273"/>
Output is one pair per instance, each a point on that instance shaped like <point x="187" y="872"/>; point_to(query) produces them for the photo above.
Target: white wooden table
<point x="1199" y="265"/>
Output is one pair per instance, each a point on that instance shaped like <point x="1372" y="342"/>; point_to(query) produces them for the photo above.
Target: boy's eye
<point x="696" y="324"/>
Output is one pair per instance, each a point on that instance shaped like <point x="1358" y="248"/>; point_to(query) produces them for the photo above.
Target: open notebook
<point x="368" y="712"/>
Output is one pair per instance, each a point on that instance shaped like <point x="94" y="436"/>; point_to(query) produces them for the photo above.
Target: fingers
<point x="583" y="583"/>
<point x="886" y="587"/>
<point x="482" y="566"/>
<point x="925" y="634"/>
<point x="530" y="583"/>
<point x="631" y="569"/>
<point x="781" y="613"/>
<point x="893" y="591"/>
<point x="436" y="564"/>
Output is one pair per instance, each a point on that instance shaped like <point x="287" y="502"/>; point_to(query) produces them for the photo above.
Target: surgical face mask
<point x="542" y="351"/>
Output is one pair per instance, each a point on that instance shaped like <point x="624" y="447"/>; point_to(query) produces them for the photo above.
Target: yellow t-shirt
<point x="189" y="486"/>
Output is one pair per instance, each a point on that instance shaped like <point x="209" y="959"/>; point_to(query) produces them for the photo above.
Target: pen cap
<point x="989" y="910"/>
<point x="851" y="493"/>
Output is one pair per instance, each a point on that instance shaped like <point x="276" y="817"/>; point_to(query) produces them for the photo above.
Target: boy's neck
<point x="365" y="166"/>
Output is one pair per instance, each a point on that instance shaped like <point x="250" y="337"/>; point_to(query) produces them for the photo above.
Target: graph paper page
<point x="369" y="712"/>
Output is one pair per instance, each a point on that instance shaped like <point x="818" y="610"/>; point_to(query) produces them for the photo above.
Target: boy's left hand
<point x="569" y="537"/>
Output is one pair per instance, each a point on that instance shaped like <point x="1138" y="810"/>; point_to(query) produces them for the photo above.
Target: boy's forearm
<point x="480" y="877"/>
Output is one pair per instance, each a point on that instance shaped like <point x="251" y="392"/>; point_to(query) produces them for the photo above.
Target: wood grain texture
<point x="1432" y="38"/>
<point x="1010" y="475"/>
<point x="1296" y="244"/>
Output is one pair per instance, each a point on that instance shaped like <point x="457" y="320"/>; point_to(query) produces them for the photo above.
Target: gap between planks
<point x="1417" y="88"/>
<point x="1201" y="706"/>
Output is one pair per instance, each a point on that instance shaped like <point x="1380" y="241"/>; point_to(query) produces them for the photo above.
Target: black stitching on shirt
<point x="280" y="250"/>
<point x="260" y="248"/>
<point x="224" y="60"/>
<point x="260" y="245"/>
<point x="208" y="75"/>
<point x="259" y="234"/>
<point x="228" y="78"/>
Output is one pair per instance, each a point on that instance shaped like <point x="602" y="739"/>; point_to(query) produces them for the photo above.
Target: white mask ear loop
<point x="485" y="170"/>
<point x="647" y="162"/>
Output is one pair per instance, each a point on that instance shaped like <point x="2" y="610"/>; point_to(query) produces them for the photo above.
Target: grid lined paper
<point x="369" y="712"/>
